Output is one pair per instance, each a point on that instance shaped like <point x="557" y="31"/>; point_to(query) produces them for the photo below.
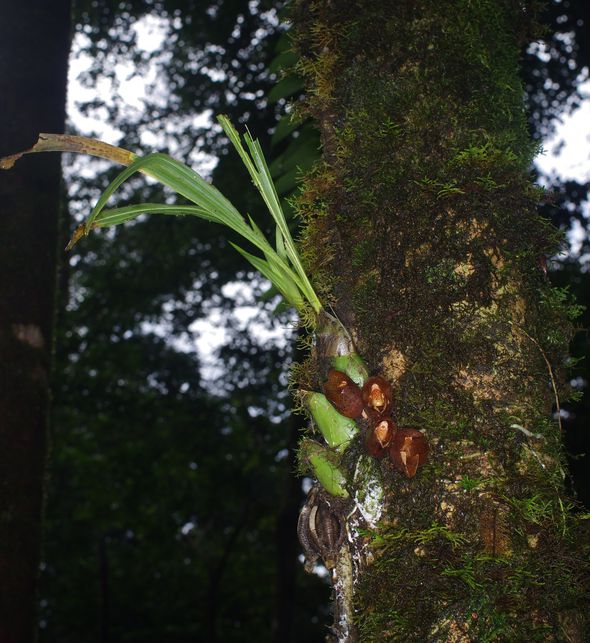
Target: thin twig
<point x="549" y="368"/>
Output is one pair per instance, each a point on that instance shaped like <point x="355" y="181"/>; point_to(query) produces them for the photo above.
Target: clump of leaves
<point x="280" y="264"/>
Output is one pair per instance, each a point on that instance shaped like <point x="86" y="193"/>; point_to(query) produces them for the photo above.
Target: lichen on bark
<point x="421" y="229"/>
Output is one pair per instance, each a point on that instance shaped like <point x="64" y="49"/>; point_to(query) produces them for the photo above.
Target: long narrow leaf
<point x="280" y="243"/>
<point x="76" y="144"/>
<point x="182" y="180"/>
<point x="281" y="264"/>
<point x="187" y="183"/>
<point x="260" y="174"/>
<point x="283" y="283"/>
<point x="271" y="198"/>
<point x="116" y="216"/>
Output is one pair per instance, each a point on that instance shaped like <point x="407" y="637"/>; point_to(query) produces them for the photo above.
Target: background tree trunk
<point x="422" y="229"/>
<point x="34" y="41"/>
<point x="286" y="539"/>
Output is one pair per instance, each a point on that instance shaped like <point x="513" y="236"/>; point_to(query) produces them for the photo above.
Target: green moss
<point x="421" y="230"/>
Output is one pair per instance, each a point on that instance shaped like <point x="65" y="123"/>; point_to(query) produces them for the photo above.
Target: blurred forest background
<point x="172" y="500"/>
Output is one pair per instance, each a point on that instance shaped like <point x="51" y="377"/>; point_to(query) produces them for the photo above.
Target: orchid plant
<point x="351" y="402"/>
<point x="280" y="262"/>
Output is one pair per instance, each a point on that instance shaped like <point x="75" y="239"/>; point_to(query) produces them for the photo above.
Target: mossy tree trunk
<point x="34" y="41"/>
<point x="422" y="230"/>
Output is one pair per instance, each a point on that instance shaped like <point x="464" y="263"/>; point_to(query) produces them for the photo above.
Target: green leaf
<point x="301" y="153"/>
<point x="285" y="87"/>
<point x="324" y="464"/>
<point x="285" y="126"/>
<point x="337" y="429"/>
<point x="282" y="61"/>
<point x="258" y="169"/>
<point x="116" y="216"/>
<point x="282" y="265"/>
<point x="287" y="182"/>
<point x="284" y="284"/>
<point x="280" y="244"/>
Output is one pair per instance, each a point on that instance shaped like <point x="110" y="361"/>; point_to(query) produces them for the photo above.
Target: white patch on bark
<point x="369" y="495"/>
<point x="343" y="584"/>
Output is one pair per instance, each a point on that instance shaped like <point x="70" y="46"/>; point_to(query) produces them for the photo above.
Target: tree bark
<point x="421" y="227"/>
<point x="35" y="41"/>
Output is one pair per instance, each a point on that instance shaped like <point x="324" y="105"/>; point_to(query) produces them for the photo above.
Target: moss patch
<point x="421" y="229"/>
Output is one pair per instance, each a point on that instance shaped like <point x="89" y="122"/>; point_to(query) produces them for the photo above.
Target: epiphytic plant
<point x="352" y="402"/>
<point x="280" y="264"/>
<point x="407" y="448"/>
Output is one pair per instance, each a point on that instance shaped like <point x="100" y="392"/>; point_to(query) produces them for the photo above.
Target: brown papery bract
<point x="408" y="450"/>
<point x="377" y="394"/>
<point x="344" y="394"/>
<point x="379" y="436"/>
